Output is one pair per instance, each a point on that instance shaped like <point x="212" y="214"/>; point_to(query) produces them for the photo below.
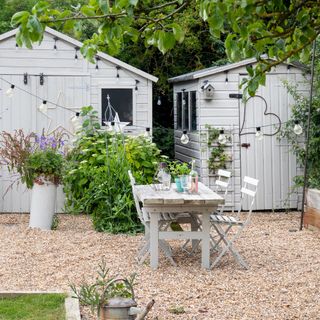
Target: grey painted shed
<point x="55" y="71"/>
<point x="268" y="160"/>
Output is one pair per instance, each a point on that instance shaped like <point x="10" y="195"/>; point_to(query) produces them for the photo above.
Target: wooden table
<point x="155" y="202"/>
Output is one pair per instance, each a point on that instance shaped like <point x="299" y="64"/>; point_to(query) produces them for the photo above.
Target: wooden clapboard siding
<point x="67" y="83"/>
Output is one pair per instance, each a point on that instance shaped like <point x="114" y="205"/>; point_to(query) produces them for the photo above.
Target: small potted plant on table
<point x="39" y="161"/>
<point x="177" y="170"/>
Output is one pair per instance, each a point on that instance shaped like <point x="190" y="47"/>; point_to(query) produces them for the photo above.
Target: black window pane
<point x="179" y="110"/>
<point x="193" y="110"/>
<point x="121" y="101"/>
<point x="185" y="108"/>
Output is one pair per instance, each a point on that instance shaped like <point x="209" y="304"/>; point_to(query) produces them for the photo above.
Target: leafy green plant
<point x="218" y="156"/>
<point x="96" y="178"/>
<point x="164" y="139"/>
<point x="35" y="158"/>
<point x="178" y="168"/>
<point x="104" y="288"/>
<point x="299" y="114"/>
<point x="143" y="157"/>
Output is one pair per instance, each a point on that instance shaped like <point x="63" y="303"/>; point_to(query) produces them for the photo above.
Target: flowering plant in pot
<point x="38" y="160"/>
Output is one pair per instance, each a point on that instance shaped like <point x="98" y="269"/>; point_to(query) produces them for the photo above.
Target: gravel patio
<point x="282" y="282"/>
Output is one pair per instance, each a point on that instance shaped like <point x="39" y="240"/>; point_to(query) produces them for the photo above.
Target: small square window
<point x="122" y="102"/>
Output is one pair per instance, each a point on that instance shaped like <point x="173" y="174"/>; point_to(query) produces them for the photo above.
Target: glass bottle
<point x="163" y="176"/>
<point x="193" y="178"/>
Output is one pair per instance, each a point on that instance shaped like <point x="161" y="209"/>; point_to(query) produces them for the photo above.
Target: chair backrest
<point x="136" y="200"/>
<point x="249" y="191"/>
<point x="222" y="183"/>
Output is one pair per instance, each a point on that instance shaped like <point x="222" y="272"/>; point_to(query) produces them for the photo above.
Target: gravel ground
<point x="282" y="282"/>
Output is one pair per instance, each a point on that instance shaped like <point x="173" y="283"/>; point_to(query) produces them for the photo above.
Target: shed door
<point x="268" y="160"/>
<point x="21" y="112"/>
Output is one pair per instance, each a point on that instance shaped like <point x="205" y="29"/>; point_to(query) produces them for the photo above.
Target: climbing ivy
<point x="218" y="156"/>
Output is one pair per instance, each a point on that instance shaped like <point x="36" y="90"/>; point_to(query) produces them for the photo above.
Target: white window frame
<point x="134" y="101"/>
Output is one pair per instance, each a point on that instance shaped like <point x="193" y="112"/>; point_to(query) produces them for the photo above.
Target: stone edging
<point x="71" y="304"/>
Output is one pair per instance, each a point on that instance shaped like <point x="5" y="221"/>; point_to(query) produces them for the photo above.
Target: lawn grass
<point x="33" y="307"/>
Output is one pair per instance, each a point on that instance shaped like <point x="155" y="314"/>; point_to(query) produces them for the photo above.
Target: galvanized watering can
<point x="119" y="308"/>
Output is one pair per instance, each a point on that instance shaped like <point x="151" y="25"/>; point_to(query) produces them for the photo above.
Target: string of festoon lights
<point x="76" y="122"/>
<point x="222" y="138"/>
<point x="75" y="118"/>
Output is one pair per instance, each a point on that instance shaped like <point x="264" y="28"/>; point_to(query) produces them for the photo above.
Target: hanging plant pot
<point x="43" y="203"/>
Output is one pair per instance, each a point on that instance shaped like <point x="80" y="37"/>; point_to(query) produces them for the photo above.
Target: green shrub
<point x="143" y="157"/>
<point x="299" y="113"/>
<point x="96" y="180"/>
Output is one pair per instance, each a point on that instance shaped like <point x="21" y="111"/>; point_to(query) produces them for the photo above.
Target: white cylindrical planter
<point x="43" y="203"/>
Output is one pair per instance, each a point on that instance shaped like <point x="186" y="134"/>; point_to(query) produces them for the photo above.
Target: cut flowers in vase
<point x="35" y="158"/>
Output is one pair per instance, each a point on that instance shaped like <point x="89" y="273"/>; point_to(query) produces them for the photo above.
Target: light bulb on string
<point x="9" y="92"/>
<point x="222" y="139"/>
<point x="184" y="138"/>
<point x="43" y="107"/>
<point x="75" y="120"/>
<point x="159" y="101"/>
<point x="17" y="46"/>
<point x="227" y="79"/>
<point x="147" y="133"/>
<point x="297" y="129"/>
<point x="288" y="68"/>
<point x="259" y="134"/>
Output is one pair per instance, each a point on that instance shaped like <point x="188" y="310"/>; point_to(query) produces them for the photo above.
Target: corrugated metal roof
<point x="217" y="69"/>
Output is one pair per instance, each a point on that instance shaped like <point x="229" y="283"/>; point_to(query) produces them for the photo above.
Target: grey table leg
<point x="194" y="227"/>
<point x="205" y="241"/>
<point x="154" y="240"/>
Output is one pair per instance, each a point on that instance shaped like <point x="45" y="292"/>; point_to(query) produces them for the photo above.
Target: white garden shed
<point x="55" y="71"/>
<point x="212" y="97"/>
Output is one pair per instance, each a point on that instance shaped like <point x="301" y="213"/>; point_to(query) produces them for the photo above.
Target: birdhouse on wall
<point x="208" y="90"/>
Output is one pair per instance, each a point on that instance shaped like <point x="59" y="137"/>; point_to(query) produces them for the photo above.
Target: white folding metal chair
<point x="221" y="186"/>
<point x="164" y="223"/>
<point x="224" y="223"/>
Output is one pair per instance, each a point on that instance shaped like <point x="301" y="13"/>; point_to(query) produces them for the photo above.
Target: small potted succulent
<point x="178" y="169"/>
<point x="38" y="159"/>
<point x="110" y="297"/>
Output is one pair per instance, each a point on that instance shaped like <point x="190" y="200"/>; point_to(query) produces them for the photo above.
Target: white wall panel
<point x="67" y="82"/>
